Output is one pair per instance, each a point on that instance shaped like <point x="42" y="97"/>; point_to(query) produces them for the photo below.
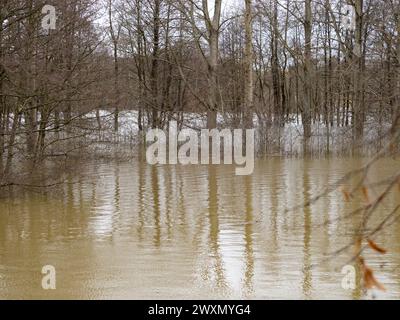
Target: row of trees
<point x="334" y="62"/>
<point x="269" y="63"/>
<point x="48" y="78"/>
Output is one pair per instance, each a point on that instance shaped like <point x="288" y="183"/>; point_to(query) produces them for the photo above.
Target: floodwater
<point x="135" y="231"/>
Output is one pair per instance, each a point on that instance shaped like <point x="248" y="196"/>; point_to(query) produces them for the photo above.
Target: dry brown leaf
<point x="366" y="193"/>
<point x="375" y="247"/>
<point x="346" y="194"/>
<point x="370" y="281"/>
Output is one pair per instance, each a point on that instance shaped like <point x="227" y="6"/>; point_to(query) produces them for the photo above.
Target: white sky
<point x="227" y="5"/>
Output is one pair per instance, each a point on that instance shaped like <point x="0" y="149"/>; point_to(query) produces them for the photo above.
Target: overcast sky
<point x="227" y="4"/>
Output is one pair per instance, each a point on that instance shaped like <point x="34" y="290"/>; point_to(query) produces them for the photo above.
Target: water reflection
<point x="307" y="280"/>
<point x="248" y="238"/>
<point x="137" y="231"/>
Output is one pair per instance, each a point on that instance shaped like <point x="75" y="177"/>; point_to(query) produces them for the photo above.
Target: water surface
<point x="134" y="231"/>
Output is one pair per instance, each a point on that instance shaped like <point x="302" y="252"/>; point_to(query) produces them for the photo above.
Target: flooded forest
<point x="85" y="84"/>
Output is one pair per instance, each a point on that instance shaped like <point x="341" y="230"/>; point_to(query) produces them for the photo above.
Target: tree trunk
<point x="154" y="65"/>
<point x="213" y="37"/>
<point x="276" y="81"/>
<point x="307" y="94"/>
<point x="396" y="106"/>
<point x="249" y="97"/>
<point x="115" y="39"/>
<point x="358" y="107"/>
<point x="11" y="141"/>
<point x="116" y="89"/>
<point x="2" y="98"/>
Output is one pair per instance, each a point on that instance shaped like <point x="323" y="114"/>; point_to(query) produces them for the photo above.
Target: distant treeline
<point x="335" y="63"/>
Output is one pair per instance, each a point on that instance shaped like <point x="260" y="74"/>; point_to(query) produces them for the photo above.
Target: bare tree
<point x="248" y="62"/>
<point x="115" y="32"/>
<point x="307" y="82"/>
<point x="213" y="32"/>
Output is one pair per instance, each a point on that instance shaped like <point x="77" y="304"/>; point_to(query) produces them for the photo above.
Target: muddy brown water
<point x="134" y="231"/>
